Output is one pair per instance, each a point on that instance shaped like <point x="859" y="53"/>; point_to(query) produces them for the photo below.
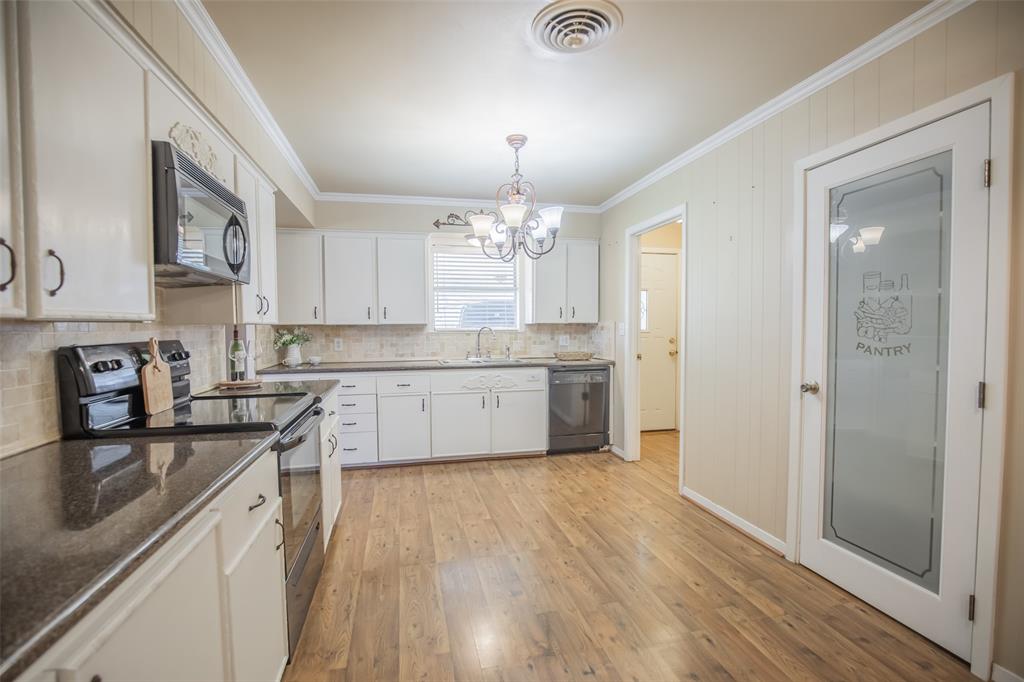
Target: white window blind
<point x="472" y="290"/>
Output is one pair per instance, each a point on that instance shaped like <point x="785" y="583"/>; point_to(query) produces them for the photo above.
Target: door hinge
<point x="970" y="608"/>
<point x="988" y="173"/>
<point x="981" y="395"/>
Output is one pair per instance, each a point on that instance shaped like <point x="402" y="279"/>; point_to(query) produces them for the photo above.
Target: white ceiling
<point x="415" y="98"/>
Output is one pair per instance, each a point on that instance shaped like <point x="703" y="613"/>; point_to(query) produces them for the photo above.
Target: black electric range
<point x="101" y="397"/>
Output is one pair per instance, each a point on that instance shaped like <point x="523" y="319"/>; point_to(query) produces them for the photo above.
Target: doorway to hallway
<point x="658" y="306"/>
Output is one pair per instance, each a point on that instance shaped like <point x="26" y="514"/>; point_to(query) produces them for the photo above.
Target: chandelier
<point x="515" y="226"/>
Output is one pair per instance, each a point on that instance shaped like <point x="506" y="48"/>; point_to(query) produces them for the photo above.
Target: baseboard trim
<point x="765" y="538"/>
<point x="616" y="450"/>
<point x="1001" y="674"/>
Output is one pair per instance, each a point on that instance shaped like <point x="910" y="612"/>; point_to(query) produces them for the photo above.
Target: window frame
<point x="458" y="241"/>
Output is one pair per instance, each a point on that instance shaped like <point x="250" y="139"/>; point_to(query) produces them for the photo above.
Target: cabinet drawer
<point x="351" y="385"/>
<point x="257" y="488"/>
<point x="356" y="423"/>
<point x="403" y="383"/>
<point x="358" y="448"/>
<point x="357" y="404"/>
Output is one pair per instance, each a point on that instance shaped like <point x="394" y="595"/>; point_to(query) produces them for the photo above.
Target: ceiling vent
<point x="576" y="25"/>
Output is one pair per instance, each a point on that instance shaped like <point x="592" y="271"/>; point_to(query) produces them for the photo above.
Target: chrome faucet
<point x="493" y="336"/>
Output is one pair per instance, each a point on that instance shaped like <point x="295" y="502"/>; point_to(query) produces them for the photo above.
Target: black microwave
<point x="201" y="230"/>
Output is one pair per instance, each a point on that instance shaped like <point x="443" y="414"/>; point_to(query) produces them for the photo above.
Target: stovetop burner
<point x="219" y="415"/>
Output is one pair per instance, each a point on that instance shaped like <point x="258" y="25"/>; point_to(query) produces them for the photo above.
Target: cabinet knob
<point x="809" y="387"/>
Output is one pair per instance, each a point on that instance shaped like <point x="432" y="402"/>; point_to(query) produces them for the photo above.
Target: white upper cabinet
<point x="548" y="286"/>
<point x="350" y="283"/>
<point x="86" y="166"/>
<point x="402" y="280"/>
<point x="266" y="254"/>
<point x="12" y="252"/>
<point x="300" y="277"/>
<point x="562" y="286"/>
<point x="582" y="282"/>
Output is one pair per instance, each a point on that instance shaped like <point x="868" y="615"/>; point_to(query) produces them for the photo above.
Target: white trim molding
<point x="1001" y="674"/>
<point x="738" y="522"/>
<point x="403" y="199"/>
<point x="916" y="23"/>
<point x="1000" y="93"/>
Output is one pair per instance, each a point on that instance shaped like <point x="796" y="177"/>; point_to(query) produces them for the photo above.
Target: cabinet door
<point x="402" y="280"/>
<point x="349" y="280"/>
<point x="403" y="426"/>
<point x="266" y="211"/>
<point x="256" y="606"/>
<point x="519" y="421"/>
<point x="88" y="216"/>
<point x="330" y="480"/>
<point x="250" y="304"/>
<point x="181" y="615"/>
<point x="460" y="424"/>
<point x="12" y="258"/>
<point x="549" y="279"/>
<point x="300" y="283"/>
<point x="582" y="286"/>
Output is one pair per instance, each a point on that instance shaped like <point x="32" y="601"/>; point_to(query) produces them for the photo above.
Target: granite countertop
<point x="318" y="387"/>
<point x="78" y="516"/>
<point x="408" y="365"/>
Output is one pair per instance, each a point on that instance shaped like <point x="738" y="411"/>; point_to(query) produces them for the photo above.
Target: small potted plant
<point x="291" y="341"/>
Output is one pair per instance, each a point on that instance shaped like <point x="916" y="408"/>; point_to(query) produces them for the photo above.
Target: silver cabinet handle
<point x="259" y="300"/>
<point x="14" y="264"/>
<point x="60" y="262"/>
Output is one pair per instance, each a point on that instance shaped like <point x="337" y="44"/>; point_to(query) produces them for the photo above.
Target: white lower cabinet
<point x="330" y="473"/>
<point x="403" y="425"/>
<point x="257" y="616"/>
<point x="460" y="423"/>
<point x="358" y="448"/>
<point x="519" y="421"/>
<point x="166" y="628"/>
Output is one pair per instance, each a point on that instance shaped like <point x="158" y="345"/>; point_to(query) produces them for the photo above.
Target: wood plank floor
<point x="577" y="567"/>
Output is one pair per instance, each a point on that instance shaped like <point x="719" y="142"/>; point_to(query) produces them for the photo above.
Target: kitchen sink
<point x="480" y="361"/>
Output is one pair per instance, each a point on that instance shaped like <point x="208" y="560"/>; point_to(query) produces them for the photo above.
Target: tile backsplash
<point x="28" y="386"/>
<point x="418" y="342"/>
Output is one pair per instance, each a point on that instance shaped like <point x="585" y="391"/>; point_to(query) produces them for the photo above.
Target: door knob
<point x="809" y="387"/>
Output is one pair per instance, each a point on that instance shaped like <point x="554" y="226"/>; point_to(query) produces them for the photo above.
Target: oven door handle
<point x="298" y="435"/>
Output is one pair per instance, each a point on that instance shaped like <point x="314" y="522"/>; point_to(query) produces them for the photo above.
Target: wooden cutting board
<point x="156" y="382"/>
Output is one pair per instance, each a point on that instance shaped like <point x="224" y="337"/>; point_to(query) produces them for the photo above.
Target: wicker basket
<point x="574" y="355"/>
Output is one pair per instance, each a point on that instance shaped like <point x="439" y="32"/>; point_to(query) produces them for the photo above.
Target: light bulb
<point x="552" y="217"/>
<point x="482" y="223"/>
<point x="514" y="214"/>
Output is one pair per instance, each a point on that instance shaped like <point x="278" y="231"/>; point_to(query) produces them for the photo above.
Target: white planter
<point x="293" y="357"/>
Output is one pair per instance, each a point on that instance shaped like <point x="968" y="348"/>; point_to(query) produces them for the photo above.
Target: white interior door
<point x="659" y="347"/>
<point x="895" y="296"/>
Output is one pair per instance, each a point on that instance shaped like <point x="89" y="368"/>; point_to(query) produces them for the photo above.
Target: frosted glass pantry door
<point x="897" y="236"/>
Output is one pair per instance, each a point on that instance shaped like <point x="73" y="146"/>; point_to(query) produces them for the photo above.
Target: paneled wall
<point x="162" y="26"/>
<point x="739" y="242"/>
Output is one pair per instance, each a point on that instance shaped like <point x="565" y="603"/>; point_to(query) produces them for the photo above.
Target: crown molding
<point x="214" y="41"/>
<point x="897" y="34"/>
<point x="403" y="199"/>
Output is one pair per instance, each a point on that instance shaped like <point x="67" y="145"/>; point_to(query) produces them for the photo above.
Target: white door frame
<point x="999" y="92"/>
<point x="631" y="315"/>
<point x="671" y="251"/>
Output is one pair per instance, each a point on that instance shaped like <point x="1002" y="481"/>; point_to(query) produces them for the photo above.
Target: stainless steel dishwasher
<point x="577" y="408"/>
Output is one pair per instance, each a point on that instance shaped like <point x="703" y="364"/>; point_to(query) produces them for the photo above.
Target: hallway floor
<point x="577" y="567"/>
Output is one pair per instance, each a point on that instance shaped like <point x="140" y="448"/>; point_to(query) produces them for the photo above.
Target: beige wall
<point x="349" y="215"/>
<point x="161" y="26"/>
<point x="665" y="237"/>
<point x="739" y="314"/>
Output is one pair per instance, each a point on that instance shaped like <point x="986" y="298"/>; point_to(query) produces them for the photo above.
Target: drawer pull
<point x="348" y="385"/>
<point x="332" y="413"/>
<point x="349" y="423"/>
<point x="280" y="544"/>
<point x="348" y="404"/>
<point x="260" y="501"/>
<point x="403" y="385"/>
<point x="349" y="449"/>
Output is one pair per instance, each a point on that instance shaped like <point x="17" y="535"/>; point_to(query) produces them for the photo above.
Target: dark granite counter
<point x="78" y="517"/>
<point x="415" y="365"/>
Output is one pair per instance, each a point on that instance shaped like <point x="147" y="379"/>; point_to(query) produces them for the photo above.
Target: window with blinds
<point x="472" y="290"/>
